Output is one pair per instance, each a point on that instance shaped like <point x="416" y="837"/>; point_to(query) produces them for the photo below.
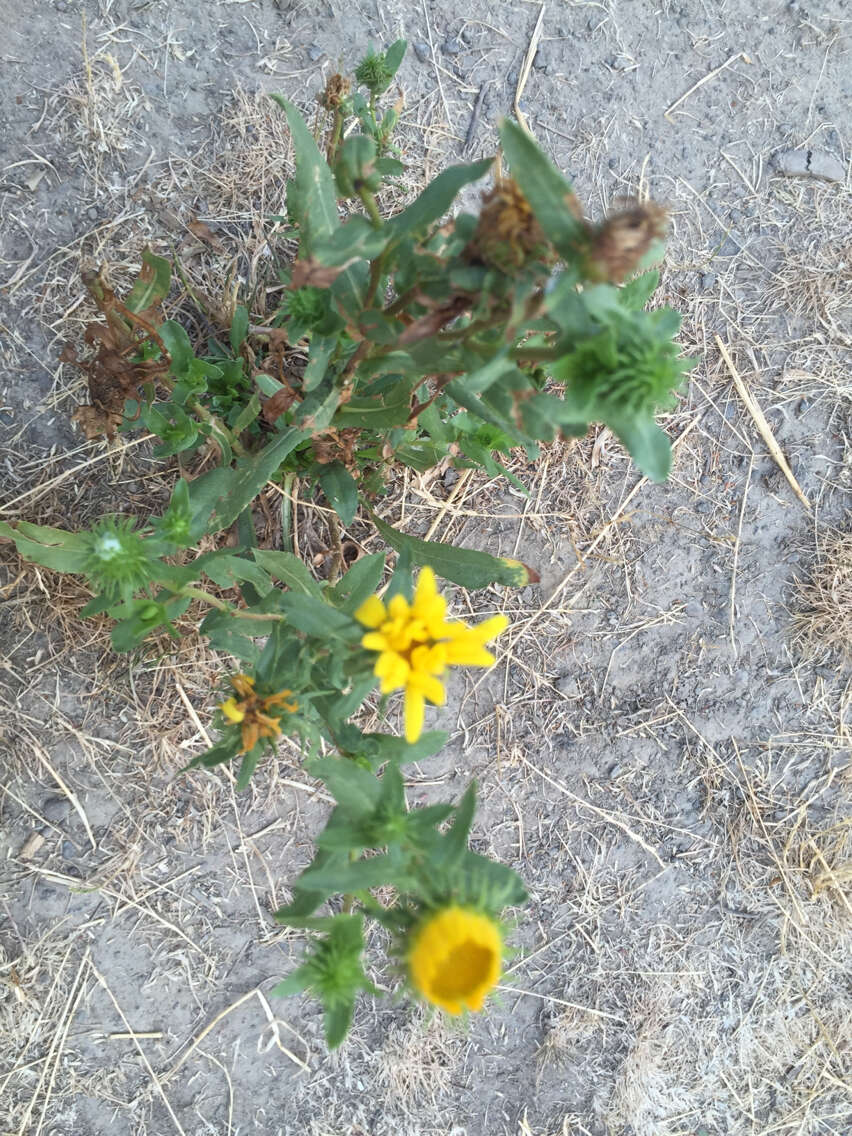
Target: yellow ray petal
<point x="232" y="711"/>
<point x="415" y="713"/>
<point x="375" y="641"/>
<point x="371" y="613"/>
<point x="468" y="653"/>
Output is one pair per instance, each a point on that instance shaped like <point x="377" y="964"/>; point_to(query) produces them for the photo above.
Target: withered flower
<point x="619" y="244"/>
<point x="336" y="90"/>
<point x="508" y="234"/>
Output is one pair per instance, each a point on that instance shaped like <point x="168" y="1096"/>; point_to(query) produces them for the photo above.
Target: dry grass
<point x="688" y="854"/>
<point x="822" y="621"/>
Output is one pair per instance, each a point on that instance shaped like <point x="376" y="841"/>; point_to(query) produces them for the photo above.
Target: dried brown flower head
<point x="619" y="244"/>
<point x="508" y="234"/>
<point x="336" y="445"/>
<point x="336" y="90"/>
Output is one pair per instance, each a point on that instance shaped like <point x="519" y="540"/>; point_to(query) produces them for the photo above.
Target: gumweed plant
<point x="416" y="339"/>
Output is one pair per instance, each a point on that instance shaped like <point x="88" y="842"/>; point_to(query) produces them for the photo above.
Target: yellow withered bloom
<point x="250" y="711"/>
<point x="455" y="959"/>
<point x="416" y="643"/>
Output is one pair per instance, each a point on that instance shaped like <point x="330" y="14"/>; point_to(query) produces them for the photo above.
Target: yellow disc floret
<point x="455" y="958"/>
<point x="416" y="643"/>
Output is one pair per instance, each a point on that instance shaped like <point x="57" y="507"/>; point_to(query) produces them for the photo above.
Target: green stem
<point x="534" y="354"/>
<point x="191" y="593"/>
<point x="336" y="132"/>
<point x="287" y="511"/>
<point x="369" y="203"/>
<point x="204" y="414"/>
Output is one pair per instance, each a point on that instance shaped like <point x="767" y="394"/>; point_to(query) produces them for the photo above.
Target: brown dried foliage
<point x="114" y="372"/>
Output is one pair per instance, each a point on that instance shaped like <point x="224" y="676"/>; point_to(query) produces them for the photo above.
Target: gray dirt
<point x="654" y="756"/>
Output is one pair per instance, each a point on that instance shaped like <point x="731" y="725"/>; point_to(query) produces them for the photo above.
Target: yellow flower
<point x="455" y="959"/>
<point x="249" y="711"/>
<point x="416" y="644"/>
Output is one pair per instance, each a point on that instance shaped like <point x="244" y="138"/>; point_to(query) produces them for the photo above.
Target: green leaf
<point x="394" y="56"/>
<point x="52" y="548"/>
<point x="239" y="327"/>
<point x="318" y="409"/>
<point x="356" y="789"/>
<point x="247" y="767"/>
<point x="354" y="240"/>
<point x="360" y="582"/>
<point x="224" y="634"/>
<point x="315" y="617"/>
<point x="290" y="570"/>
<point x="437" y="198"/>
<point x="459" y="394"/>
<point x="224" y="750"/>
<point x="487" y="882"/>
<point x="421" y="454"/>
<point x="544" y="187"/>
<point x="311" y="196"/>
<point x="246" y="416"/>
<point x="636" y="293"/>
<point x="178" y="346"/>
<point x="339" y="487"/>
<point x="479" y="380"/>
<point x="465" y="566"/>
<point x="226" y="571"/>
<point x="377" y="871"/>
<point x="646" y="443"/>
<point x="391" y="409"/>
<point x="294" y="983"/>
<point x="454" y="843"/>
<point x="151" y="285"/>
<point x="319" y="356"/>
<point x="349" y="290"/>
<point x="337" y="1020"/>
<point x="251" y="474"/>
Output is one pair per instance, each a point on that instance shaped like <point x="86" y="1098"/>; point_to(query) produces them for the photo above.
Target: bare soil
<point x="663" y="751"/>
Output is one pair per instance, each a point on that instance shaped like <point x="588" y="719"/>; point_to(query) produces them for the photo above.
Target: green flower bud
<point x="373" y="72"/>
<point x="118" y="561"/>
<point x="355" y="169"/>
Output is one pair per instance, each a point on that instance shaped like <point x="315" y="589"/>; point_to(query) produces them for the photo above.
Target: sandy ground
<point x="664" y="748"/>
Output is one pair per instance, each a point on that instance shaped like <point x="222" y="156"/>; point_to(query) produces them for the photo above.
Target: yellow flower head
<point x="416" y="644"/>
<point x="455" y="958"/>
<point x="249" y="711"/>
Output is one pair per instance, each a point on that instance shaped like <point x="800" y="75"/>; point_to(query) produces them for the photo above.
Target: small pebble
<point x="55" y="809"/>
<point x="92" y="213"/>
<point x="810" y="163"/>
<point x="422" y="50"/>
<point x="315" y="53"/>
<point x="708" y="280"/>
<point x="69" y="850"/>
<point x="451" y="47"/>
